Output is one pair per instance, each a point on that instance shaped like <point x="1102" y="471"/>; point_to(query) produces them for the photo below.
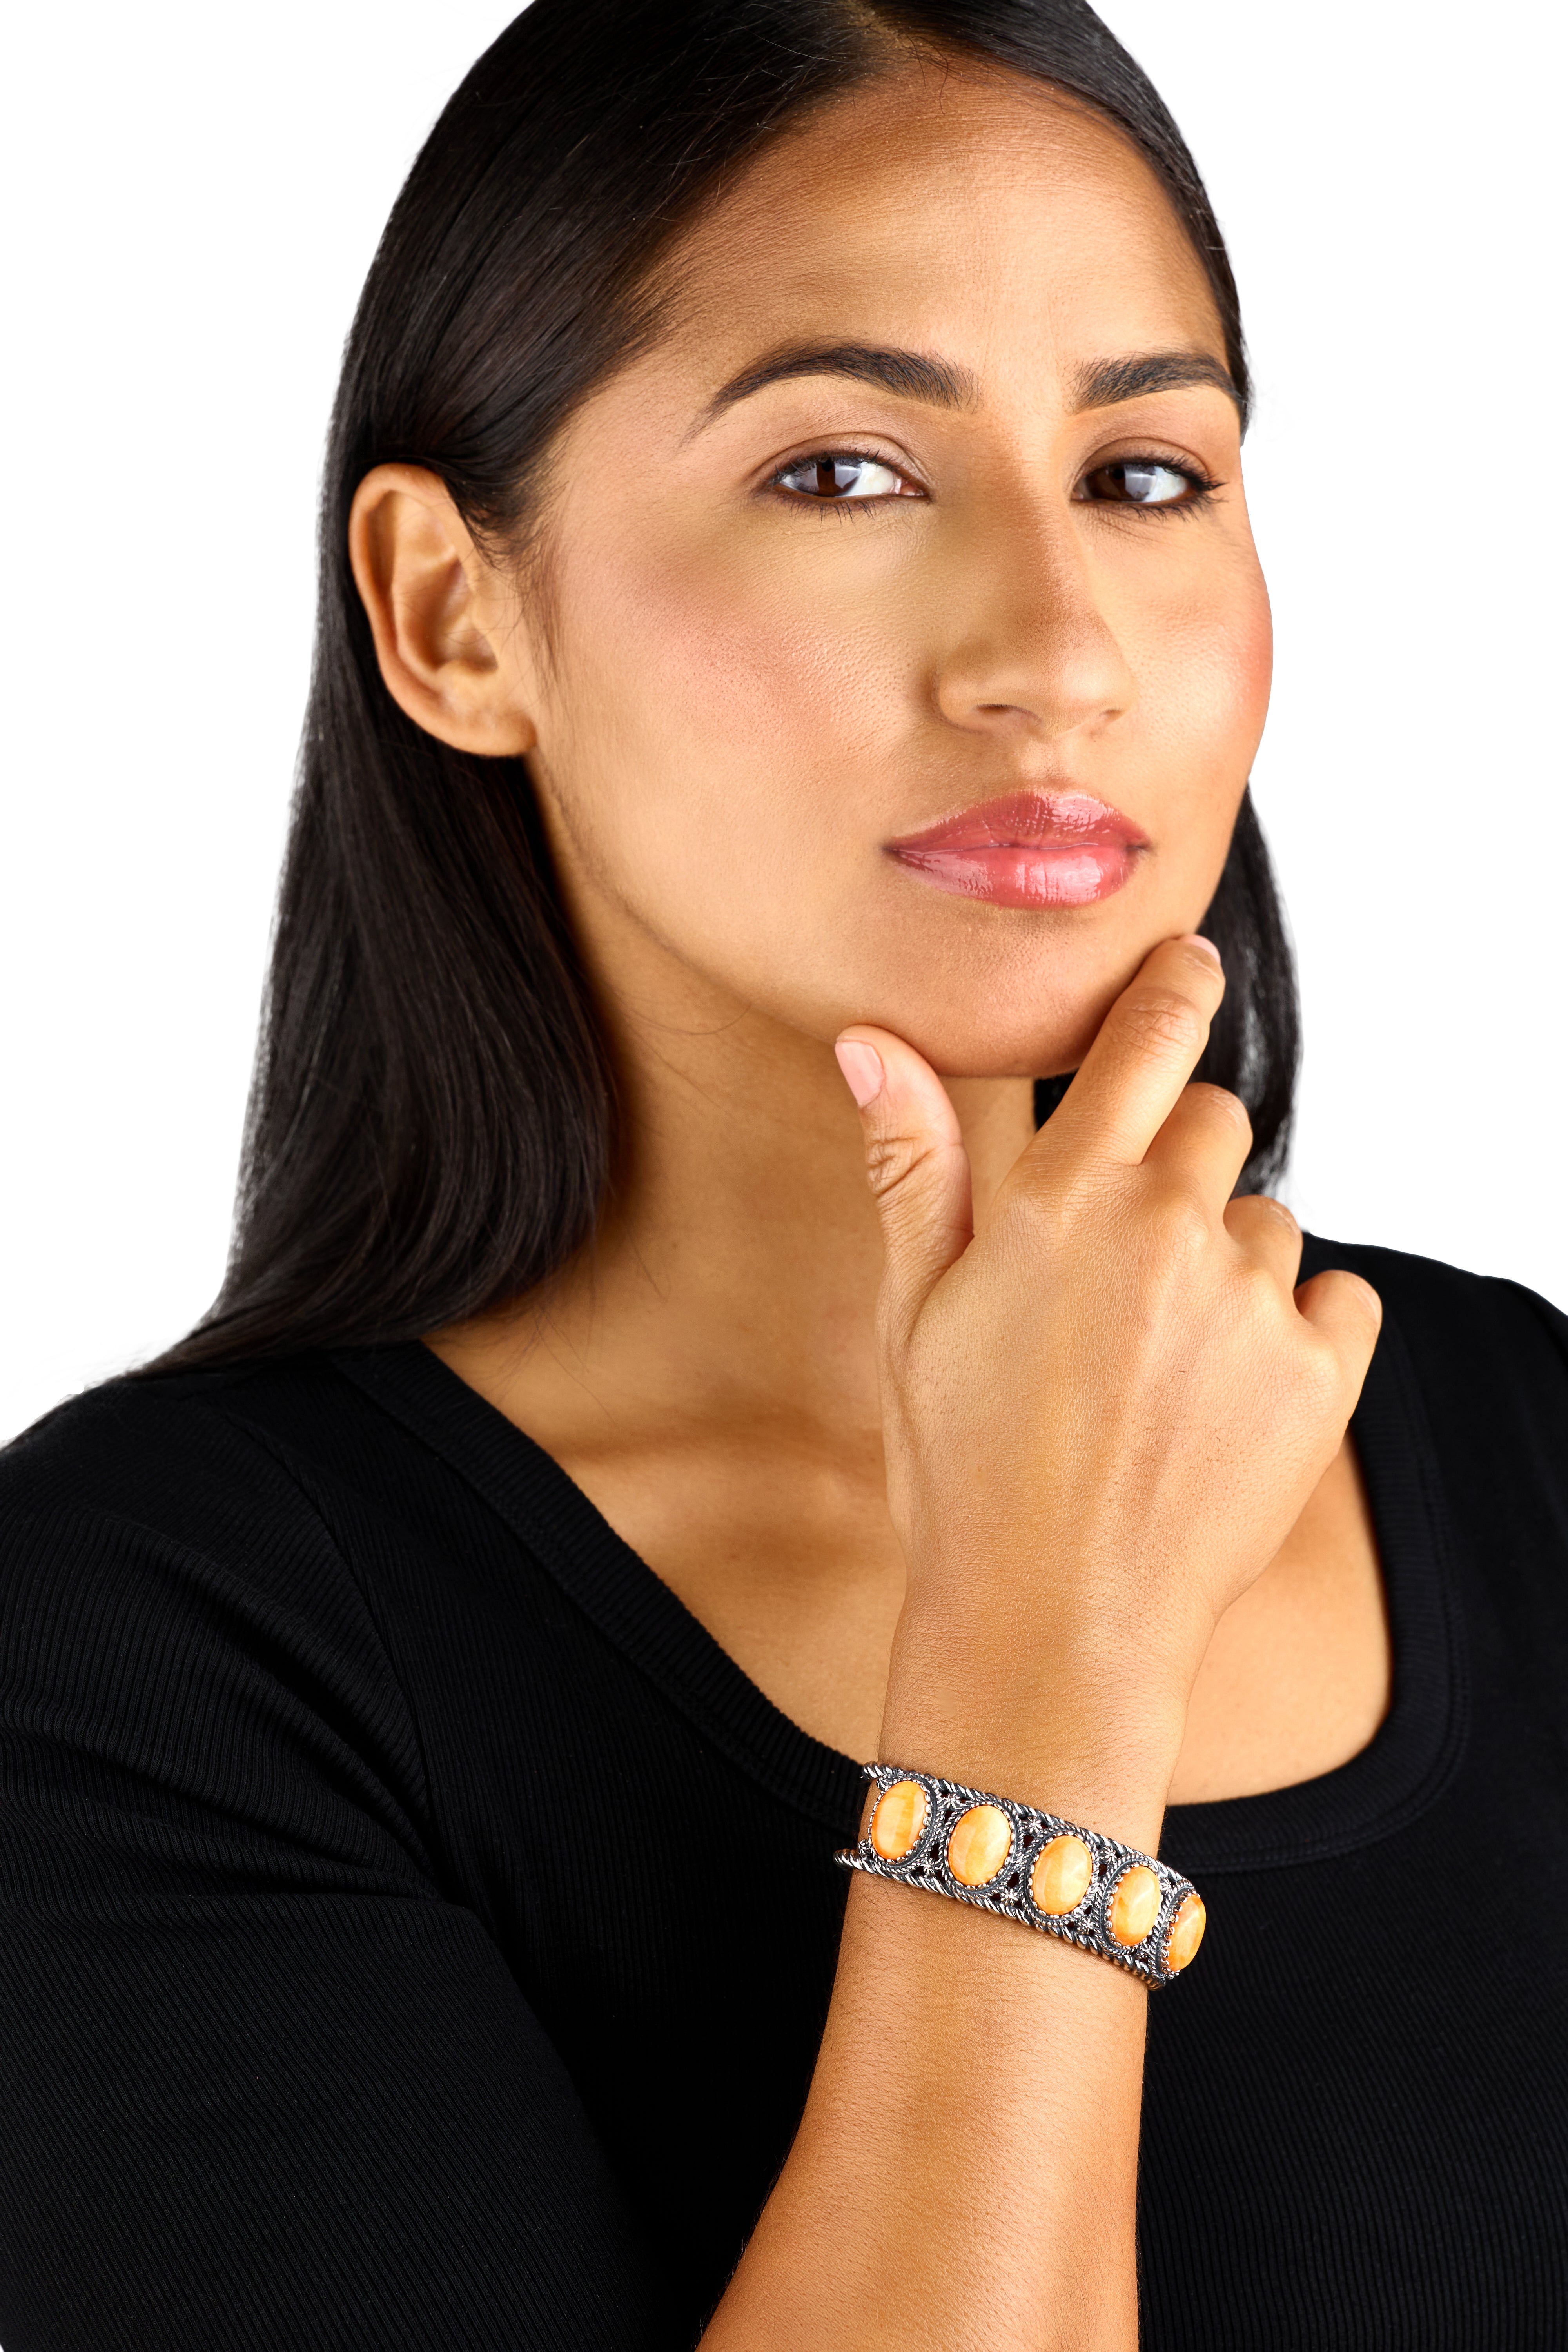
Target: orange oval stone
<point x="979" y="1845"/>
<point x="898" y="1822"/>
<point x="1187" y="1932"/>
<point x="1135" y="1905"/>
<point x="1060" y="1876"/>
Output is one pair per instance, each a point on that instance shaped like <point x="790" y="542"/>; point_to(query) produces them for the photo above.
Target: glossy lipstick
<point x="1026" y="849"/>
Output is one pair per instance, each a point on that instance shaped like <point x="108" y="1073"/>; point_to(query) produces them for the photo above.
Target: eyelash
<point x="840" y="456"/>
<point x="1203" y="486"/>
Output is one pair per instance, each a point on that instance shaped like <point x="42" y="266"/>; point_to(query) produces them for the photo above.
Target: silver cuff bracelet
<point x="1029" y="1866"/>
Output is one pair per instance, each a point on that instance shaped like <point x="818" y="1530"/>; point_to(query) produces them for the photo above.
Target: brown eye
<point x="1142" y="482"/>
<point x="834" y="476"/>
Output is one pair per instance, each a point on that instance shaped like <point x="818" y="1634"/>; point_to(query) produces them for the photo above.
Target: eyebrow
<point x="1102" y="384"/>
<point x="943" y="383"/>
<point x="914" y="376"/>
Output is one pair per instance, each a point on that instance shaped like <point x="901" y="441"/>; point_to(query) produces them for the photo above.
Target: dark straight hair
<point x="432" y="1126"/>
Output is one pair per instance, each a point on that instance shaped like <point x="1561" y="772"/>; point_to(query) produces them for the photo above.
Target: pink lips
<point x="1026" y="849"/>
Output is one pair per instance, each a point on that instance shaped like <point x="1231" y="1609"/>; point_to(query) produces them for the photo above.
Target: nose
<point x="1032" y="650"/>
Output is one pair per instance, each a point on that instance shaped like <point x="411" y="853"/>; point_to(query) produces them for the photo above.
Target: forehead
<point x="946" y="207"/>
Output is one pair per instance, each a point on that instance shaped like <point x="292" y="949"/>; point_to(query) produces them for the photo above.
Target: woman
<point x="789" y="619"/>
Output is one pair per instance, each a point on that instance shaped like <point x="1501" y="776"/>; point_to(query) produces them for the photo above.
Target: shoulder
<point x="173" y="1603"/>
<point x="204" y="1467"/>
<point x="231" y="1463"/>
<point x="157" y="1467"/>
<point x="1490" y="1361"/>
<point x="1460" y="1323"/>
<point x="160" y="1443"/>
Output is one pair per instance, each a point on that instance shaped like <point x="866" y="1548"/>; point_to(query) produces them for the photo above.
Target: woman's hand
<point x="1103" y="1414"/>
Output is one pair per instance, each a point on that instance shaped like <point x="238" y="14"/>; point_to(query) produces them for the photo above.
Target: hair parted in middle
<point x="431" y="1126"/>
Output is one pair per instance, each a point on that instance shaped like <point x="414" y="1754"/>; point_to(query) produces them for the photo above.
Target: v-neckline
<point x="1401" y="1770"/>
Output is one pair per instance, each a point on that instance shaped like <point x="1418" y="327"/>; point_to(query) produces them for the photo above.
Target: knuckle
<point x="1323" y="1380"/>
<point x="1265" y="1301"/>
<point x="1360" y="1298"/>
<point x="1260" y="1213"/>
<point x="1220" y="1106"/>
<point x="1201" y="955"/>
<point x="889" y="1159"/>
<point x="1028" y="1223"/>
<point x="1371" y="1301"/>
<point x="1339" y="1288"/>
<point x="1050" y="1206"/>
<point x="1163" y="1019"/>
<point x="893" y="1162"/>
<point x="1180" y="1224"/>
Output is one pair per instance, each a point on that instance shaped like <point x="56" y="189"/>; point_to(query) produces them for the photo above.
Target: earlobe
<point x="442" y="617"/>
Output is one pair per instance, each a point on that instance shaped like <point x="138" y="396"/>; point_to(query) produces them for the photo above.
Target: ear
<point x="444" y="621"/>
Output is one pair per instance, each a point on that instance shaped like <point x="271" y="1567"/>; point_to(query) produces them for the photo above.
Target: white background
<point x="193" y="194"/>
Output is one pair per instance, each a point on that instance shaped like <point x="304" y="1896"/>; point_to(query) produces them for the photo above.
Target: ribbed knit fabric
<point x="415" y="1931"/>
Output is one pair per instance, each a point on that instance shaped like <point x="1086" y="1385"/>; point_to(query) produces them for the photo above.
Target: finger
<point x="1206" y="1142"/>
<point x="1269" y="1235"/>
<point x="1147" y="1049"/>
<point x="1349" y="1313"/>
<point x="916" y="1161"/>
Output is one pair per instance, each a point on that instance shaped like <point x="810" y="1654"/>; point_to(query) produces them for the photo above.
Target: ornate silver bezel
<point x="1007" y="1895"/>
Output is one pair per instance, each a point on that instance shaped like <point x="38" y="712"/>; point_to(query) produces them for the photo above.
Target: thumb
<point x="918" y="1167"/>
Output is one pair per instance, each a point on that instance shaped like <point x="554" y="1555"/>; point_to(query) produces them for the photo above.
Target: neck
<point x="734" y="1275"/>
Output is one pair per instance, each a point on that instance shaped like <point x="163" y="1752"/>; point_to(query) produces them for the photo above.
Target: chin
<point x="1035" y="1033"/>
<point x="1016" y="1015"/>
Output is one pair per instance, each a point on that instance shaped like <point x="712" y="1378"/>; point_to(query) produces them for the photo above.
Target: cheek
<point x="702" y="695"/>
<point x="1249" y="656"/>
<point x="1204" y="683"/>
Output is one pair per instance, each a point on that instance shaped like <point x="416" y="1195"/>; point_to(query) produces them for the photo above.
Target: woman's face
<point x="908" y="649"/>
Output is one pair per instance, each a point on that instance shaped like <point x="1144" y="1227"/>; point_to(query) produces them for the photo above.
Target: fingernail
<point x="1196" y="939"/>
<point x="862" y="1068"/>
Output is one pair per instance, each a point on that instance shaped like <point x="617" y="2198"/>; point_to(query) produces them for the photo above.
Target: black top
<point x="415" y="1931"/>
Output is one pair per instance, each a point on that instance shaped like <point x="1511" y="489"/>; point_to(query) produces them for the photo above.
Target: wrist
<point x="1093" y="1740"/>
